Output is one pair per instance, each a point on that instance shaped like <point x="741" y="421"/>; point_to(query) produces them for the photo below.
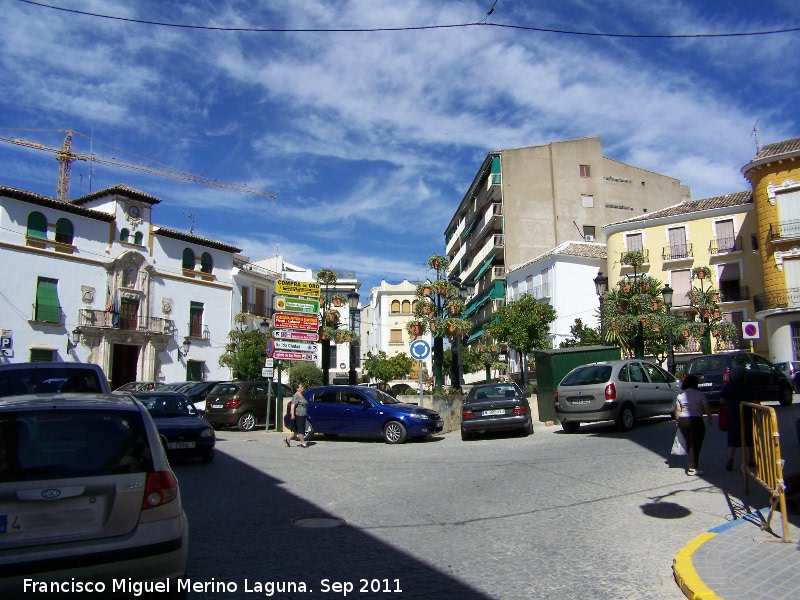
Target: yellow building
<point x="775" y="176"/>
<point x="719" y="233"/>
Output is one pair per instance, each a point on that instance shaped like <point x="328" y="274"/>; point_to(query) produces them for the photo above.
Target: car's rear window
<point x="706" y="365"/>
<point x="51" y="380"/>
<point x="590" y="374"/>
<point x="66" y="443"/>
<point x="224" y="389"/>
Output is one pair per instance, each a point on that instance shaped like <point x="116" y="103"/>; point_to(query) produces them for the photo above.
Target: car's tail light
<point x="233" y="402"/>
<point x="160" y="488"/>
<point x="467" y="414"/>
<point x="519" y="410"/>
<point x="555" y="397"/>
<point x="726" y="376"/>
<point x="611" y="392"/>
<point x="791" y="369"/>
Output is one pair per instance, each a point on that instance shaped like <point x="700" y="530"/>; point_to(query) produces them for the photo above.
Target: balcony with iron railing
<point x="257" y="309"/>
<point x="677" y="252"/>
<point x="734" y="293"/>
<point x="198" y="331"/>
<point x="109" y="319"/>
<point x="249" y="267"/>
<point x="645" y="254"/>
<point x="790" y="299"/>
<point x="725" y="245"/>
<point x="785" y="231"/>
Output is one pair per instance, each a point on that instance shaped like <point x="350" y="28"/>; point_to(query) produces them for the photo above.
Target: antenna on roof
<point x="755" y="134"/>
<point x="191" y="218"/>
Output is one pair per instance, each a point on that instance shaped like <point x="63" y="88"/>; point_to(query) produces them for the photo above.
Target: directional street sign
<point x="305" y="306"/>
<point x="290" y="321"/>
<point x="296" y="346"/>
<point x="285" y="355"/>
<point x="419" y="349"/>
<point x="297" y="288"/>
<point x="290" y="334"/>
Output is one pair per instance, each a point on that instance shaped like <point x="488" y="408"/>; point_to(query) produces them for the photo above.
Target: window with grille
<point x="729" y="282"/>
<point x="128" y="314"/>
<point x="48" y="309"/>
<point x="677" y="242"/>
<point x="39" y="355"/>
<point x="725" y="236"/>
<point x="196" y="319"/>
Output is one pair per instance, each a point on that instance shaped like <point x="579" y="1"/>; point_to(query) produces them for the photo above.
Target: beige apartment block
<point x="523" y="202"/>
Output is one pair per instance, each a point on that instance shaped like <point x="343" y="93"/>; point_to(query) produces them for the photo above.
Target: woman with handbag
<point x="736" y="391"/>
<point x="689" y="414"/>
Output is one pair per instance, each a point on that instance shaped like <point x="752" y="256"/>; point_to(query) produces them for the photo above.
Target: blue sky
<point x="369" y="140"/>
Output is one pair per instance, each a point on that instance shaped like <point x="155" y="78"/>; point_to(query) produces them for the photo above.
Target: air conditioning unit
<point x="588" y="238"/>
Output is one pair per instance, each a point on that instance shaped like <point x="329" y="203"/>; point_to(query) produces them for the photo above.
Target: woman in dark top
<point x="736" y="391"/>
<point x="298" y="406"/>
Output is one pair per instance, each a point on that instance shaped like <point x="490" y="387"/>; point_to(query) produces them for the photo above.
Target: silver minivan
<point x="620" y="391"/>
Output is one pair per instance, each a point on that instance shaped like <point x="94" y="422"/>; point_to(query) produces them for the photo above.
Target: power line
<point x="482" y="23"/>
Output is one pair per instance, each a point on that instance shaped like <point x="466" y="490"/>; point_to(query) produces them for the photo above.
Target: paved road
<point x="595" y="515"/>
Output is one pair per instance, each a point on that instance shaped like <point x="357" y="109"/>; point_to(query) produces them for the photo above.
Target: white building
<point x="563" y="278"/>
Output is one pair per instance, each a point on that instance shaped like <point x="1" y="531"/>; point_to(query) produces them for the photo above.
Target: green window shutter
<point x="206" y="263"/>
<point x="194" y="370"/>
<point x="47" y="307"/>
<point x="37" y="225"/>
<point x="138" y="238"/>
<point x="188" y="259"/>
<point x="124" y="234"/>
<point x="64" y="231"/>
<point x="42" y="355"/>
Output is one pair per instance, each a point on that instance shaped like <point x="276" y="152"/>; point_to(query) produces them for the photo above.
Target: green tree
<point x="581" y="335"/>
<point x="383" y="368"/>
<point x="523" y="324"/>
<point x="484" y="355"/>
<point x="306" y="372"/>
<point x="245" y="352"/>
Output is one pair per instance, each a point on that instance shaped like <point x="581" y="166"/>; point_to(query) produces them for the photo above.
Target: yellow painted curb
<point x="687" y="578"/>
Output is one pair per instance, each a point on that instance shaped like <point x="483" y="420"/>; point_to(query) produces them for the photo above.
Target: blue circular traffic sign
<point x="419" y="349"/>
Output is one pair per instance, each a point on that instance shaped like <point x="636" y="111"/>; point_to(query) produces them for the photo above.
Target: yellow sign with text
<point x="297" y="288"/>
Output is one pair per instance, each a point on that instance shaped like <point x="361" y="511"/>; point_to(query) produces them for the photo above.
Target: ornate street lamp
<point x="666" y="293"/>
<point x="601" y="287"/>
<point x="352" y="301"/>
<point x="186" y="345"/>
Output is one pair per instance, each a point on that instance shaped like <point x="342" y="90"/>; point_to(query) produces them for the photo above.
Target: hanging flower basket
<point x="331" y="316"/>
<point x="415" y="328"/>
<point x="425" y="289"/>
<point x="654" y="305"/>
<point x="455" y="306"/>
<point x="621" y="306"/>
<point x="427" y="308"/>
<point x="644" y="286"/>
<point x="715" y="296"/>
<point x="625" y="288"/>
<point x="432" y="325"/>
<point x="686" y="333"/>
<point x="716" y="313"/>
<point x="701" y="273"/>
<point x="705" y="312"/>
<point x="337" y="300"/>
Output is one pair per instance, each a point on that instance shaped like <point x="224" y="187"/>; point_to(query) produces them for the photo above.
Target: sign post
<point x="419" y="349"/>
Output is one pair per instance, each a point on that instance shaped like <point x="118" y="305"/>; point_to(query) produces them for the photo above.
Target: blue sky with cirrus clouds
<point x="368" y="119"/>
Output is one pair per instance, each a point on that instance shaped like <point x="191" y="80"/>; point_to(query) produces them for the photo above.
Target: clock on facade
<point x="133" y="211"/>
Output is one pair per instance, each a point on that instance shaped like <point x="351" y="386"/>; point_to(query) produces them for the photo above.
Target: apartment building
<point x="523" y="202"/>
<point x="774" y="175"/>
<point x="720" y="233"/>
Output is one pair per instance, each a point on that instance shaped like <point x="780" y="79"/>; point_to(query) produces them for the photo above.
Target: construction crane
<point x="65" y="157"/>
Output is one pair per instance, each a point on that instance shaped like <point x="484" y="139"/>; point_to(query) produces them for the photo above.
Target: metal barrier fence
<point x="765" y="465"/>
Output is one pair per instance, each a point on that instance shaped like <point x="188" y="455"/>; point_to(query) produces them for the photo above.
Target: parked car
<point x="86" y="494"/>
<point x="138" y="386"/>
<point x="714" y="370"/>
<point x="52" y="378"/>
<point x="240" y="403"/>
<point x="197" y="391"/>
<point x="362" y="410"/>
<point x="618" y="390"/>
<point x="495" y="407"/>
<point x="187" y="434"/>
<point x="792" y="370"/>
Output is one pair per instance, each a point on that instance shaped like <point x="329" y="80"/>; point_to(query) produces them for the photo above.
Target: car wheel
<point x="571" y="426"/>
<point x="207" y="458"/>
<point x="465" y="435"/>
<point x="394" y="432"/>
<point x="787" y="396"/>
<point x="246" y="422"/>
<point x="528" y="429"/>
<point x="625" y="418"/>
<point x="309" y="432"/>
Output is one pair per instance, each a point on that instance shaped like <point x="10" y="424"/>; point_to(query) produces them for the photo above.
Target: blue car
<point x="360" y="410"/>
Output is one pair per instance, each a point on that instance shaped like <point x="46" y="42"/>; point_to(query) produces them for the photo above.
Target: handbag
<point x="679" y="444"/>
<point x="722" y="418"/>
<point x="288" y="421"/>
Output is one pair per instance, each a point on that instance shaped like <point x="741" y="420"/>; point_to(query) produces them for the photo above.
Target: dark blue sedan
<point x="359" y="410"/>
<point x="187" y="434"/>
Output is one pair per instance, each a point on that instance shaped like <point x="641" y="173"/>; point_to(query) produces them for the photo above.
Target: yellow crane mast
<point x="65" y="157"/>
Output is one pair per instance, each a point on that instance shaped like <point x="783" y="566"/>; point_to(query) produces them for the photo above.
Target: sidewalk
<point x="739" y="561"/>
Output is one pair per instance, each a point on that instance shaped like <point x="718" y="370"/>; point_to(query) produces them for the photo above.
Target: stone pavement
<point x="740" y="561"/>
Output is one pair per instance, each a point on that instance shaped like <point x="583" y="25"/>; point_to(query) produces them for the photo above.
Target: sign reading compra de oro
<point x="297" y="288"/>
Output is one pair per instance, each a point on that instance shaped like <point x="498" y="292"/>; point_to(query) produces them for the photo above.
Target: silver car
<point x="87" y="496"/>
<point x="620" y="391"/>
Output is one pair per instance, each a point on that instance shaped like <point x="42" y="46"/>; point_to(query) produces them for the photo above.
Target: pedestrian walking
<point x="298" y="407"/>
<point x="736" y="391"/>
<point x="689" y="414"/>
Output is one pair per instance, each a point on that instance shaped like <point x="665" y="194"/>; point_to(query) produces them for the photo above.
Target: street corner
<point x="686" y="575"/>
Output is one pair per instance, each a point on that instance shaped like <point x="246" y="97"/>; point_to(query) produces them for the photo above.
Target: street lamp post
<point x="666" y="293"/>
<point x="352" y="301"/>
<point x="601" y="287"/>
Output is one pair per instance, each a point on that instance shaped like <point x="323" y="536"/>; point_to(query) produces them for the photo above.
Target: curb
<point x="685" y="575"/>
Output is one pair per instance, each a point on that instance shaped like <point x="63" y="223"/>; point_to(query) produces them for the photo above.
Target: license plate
<point x="178" y="445"/>
<point x="440" y="423"/>
<point x="217" y="406"/>
<point x="586" y="401"/>
<point x="496" y="411"/>
<point x="704" y="385"/>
